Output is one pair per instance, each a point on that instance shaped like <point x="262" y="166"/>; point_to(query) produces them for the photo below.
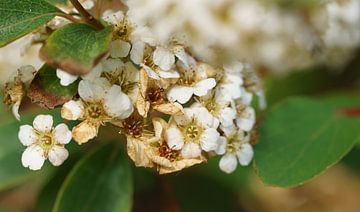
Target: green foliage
<point x="55" y="2"/>
<point x="20" y="17"/>
<point x="300" y="138"/>
<point x="47" y="91"/>
<point x="76" y="48"/>
<point x="101" y="181"/>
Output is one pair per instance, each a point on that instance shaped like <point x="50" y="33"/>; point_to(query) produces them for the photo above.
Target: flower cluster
<point x="175" y="110"/>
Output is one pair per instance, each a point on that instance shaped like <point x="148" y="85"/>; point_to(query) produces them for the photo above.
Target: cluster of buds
<point x="175" y="110"/>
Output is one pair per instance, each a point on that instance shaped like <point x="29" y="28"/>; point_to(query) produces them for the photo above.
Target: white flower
<point x="192" y="132"/>
<point x="235" y="148"/>
<point x="157" y="62"/>
<point x="193" y="80"/>
<point x="232" y="80"/>
<point x="44" y="142"/>
<point x="245" y="118"/>
<point x="219" y="106"/>
<point x="15" y="88"/>
<point x="100" y="102"/>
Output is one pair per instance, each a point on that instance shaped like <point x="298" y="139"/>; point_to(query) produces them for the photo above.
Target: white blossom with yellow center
<point x="219" y="107"/>
<point x="235" y="148"/>
<point x="44" y="142"/>
<point x="192" y="132"/>
<point x="99" y="102"/>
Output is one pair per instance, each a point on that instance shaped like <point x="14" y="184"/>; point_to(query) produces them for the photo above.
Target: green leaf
<point x="12" y="172"/>
<point x="101" y="181"/>
<point x="76" y="48"/>
<point x="56" y="2"/>
<point x="20" y="17"/>
<point x="47" y="196"/>
<point x="47" y="91"/>
<point x="301" y="137"/>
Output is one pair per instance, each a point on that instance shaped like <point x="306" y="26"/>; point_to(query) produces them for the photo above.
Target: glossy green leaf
<point x="301" y="137"/>
<point x="47" y="195"/>
<point x="101" y="181"/>
<point x="47" y="91"/>
<point x="76" y="48"/>
<point x="20" y="17"/>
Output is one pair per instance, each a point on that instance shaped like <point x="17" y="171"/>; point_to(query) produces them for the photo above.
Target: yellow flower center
<point x="134" y="125"/>
<point x="123" y="30"/>
<point x="95" y="113"/>
<point x="192" y="132"/>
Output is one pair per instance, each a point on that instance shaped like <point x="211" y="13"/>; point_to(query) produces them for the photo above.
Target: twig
<point x="86" y="15"/>
<point x="69" y="17"/>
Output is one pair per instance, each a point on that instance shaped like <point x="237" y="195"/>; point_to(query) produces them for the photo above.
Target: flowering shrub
<point x="181" y="83"/>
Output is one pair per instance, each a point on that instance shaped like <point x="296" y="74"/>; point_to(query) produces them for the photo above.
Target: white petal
<point x="137" y="52"/>
<point x="33" y="157"/>
<point x="15" y="110"/>
<point x="72" y="110"/>
<point x="65" y="78"/>
<point x="174" y="138"/>
<point x="228" y="163"/>
<point x="43" y="123"/>
<point x="169" y="74"/>
<point x="94" y="73"/>
<point x="245" y="154"/>
<point x="112" y="17"/>
<point x="117" y="104"/>
<point x="205" y="118"/>
<point x="27" y="135"/>
<point x="182" y="94"/>
<point x="209" y="140"/>
<point x="262" y="100"/>
<point x="201" y="88"/>
<point x="91" y="91"/>
<point x="163" y="58"/>
<point x="151" y="73"/>
<point x="112" y="64"/>
<point x="119" y="48"/>
<point x="183" y="119"/>
<point x="181" y="54"/>
<point x="191" y="150"/>
<point x="227" y="116"/>
<point x="57" y="155"/>
<point x="246" y="97"/>
<point x="88" y="4"/>
<point x="246" y="120"/>
<point x="62" y="134"/>
<point x="222" y="143"/>
<point x="84" y="131"/>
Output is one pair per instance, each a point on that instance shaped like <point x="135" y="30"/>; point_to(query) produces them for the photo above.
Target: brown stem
<point x="86" y="15"/>
<point x="69" y="17"/>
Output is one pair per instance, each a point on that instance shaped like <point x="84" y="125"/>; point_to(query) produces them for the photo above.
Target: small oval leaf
<point x="76" y="48"/>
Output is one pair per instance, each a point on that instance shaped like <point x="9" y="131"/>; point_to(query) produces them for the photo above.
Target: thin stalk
<point x="86" y="15"/>
<point x="69" y="17"/>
